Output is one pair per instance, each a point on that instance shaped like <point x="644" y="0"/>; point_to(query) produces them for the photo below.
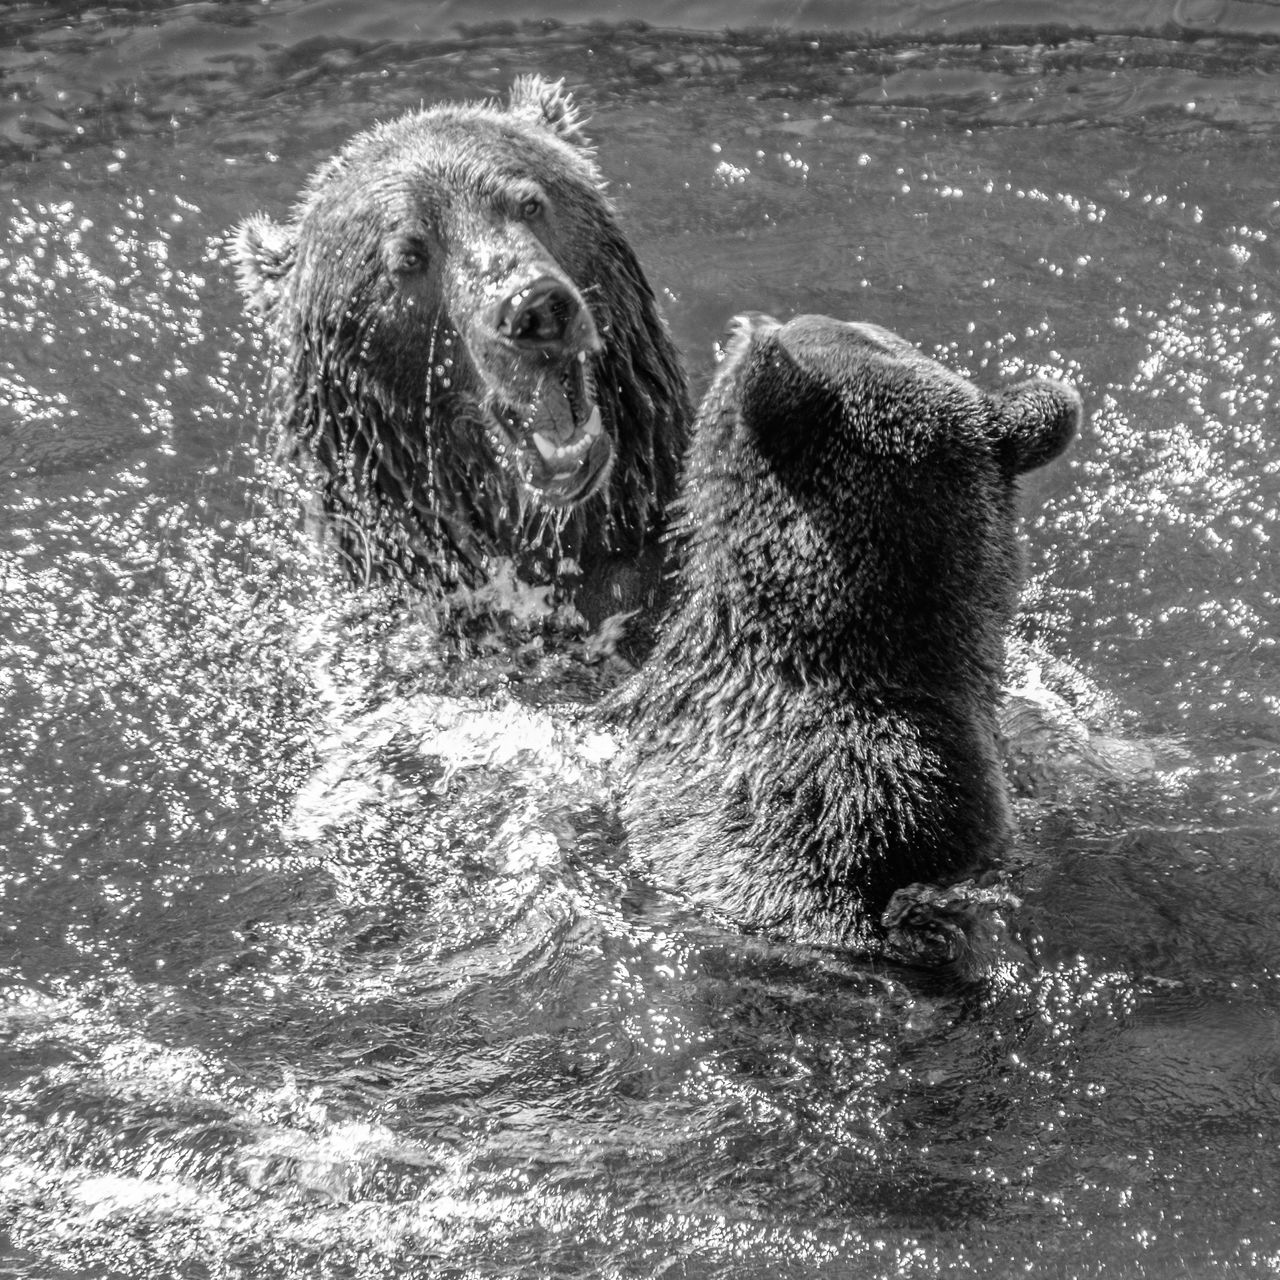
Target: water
<point x="319" y="950"/>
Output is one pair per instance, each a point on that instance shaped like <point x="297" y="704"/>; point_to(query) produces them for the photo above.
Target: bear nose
<point x="542" y="316"/>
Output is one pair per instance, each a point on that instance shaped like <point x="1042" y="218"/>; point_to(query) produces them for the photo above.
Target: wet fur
<point x="816" y="727"/>
<point x="379" y="382"/>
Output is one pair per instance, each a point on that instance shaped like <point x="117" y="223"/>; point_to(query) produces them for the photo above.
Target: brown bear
<point x="816" y="728"/>
<point x="471" y="352"/>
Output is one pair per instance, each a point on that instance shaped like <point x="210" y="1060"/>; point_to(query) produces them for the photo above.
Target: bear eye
<point x="531" y="207"/>
<point x="406" y="257"/>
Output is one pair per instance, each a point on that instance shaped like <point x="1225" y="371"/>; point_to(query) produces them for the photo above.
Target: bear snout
<point x="547" y="315"/>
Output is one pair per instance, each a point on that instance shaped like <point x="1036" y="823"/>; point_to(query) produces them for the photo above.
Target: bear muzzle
<point x="571" y="450"/>
<point x="540" y="366"/>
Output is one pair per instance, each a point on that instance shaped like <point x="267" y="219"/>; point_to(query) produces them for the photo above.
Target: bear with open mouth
<point x="815" y="730"/>
<point x="471" y="353"/>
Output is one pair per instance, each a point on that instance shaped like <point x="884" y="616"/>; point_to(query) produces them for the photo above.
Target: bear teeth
<point x="575" y="450"/>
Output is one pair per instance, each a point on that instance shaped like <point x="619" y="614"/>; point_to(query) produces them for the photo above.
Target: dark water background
<point x="319" y="952"/>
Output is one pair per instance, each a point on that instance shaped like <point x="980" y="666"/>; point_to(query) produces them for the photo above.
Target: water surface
<point x="319" y="949"/>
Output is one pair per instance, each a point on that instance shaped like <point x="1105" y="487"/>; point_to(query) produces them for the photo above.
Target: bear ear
<point x="549" y="105"/>
<point x="1035" y="421"/>
<point x="263" y="252"/>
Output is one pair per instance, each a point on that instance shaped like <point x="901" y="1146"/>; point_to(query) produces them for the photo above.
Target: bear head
<point x="472" y="353"/>
<point x="854" y="501"/>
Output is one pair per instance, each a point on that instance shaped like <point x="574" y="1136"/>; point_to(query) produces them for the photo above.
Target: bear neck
<point x="759" y="620"/>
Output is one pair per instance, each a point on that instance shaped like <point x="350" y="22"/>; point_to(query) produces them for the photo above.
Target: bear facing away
<point x="471" y="353"/>
<point x="816" y="727"/>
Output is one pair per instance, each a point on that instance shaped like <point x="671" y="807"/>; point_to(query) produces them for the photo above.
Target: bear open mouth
<point x="565" y="450"/>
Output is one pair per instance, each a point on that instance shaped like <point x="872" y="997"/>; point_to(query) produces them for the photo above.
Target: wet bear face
<point x="469" y="335"/>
